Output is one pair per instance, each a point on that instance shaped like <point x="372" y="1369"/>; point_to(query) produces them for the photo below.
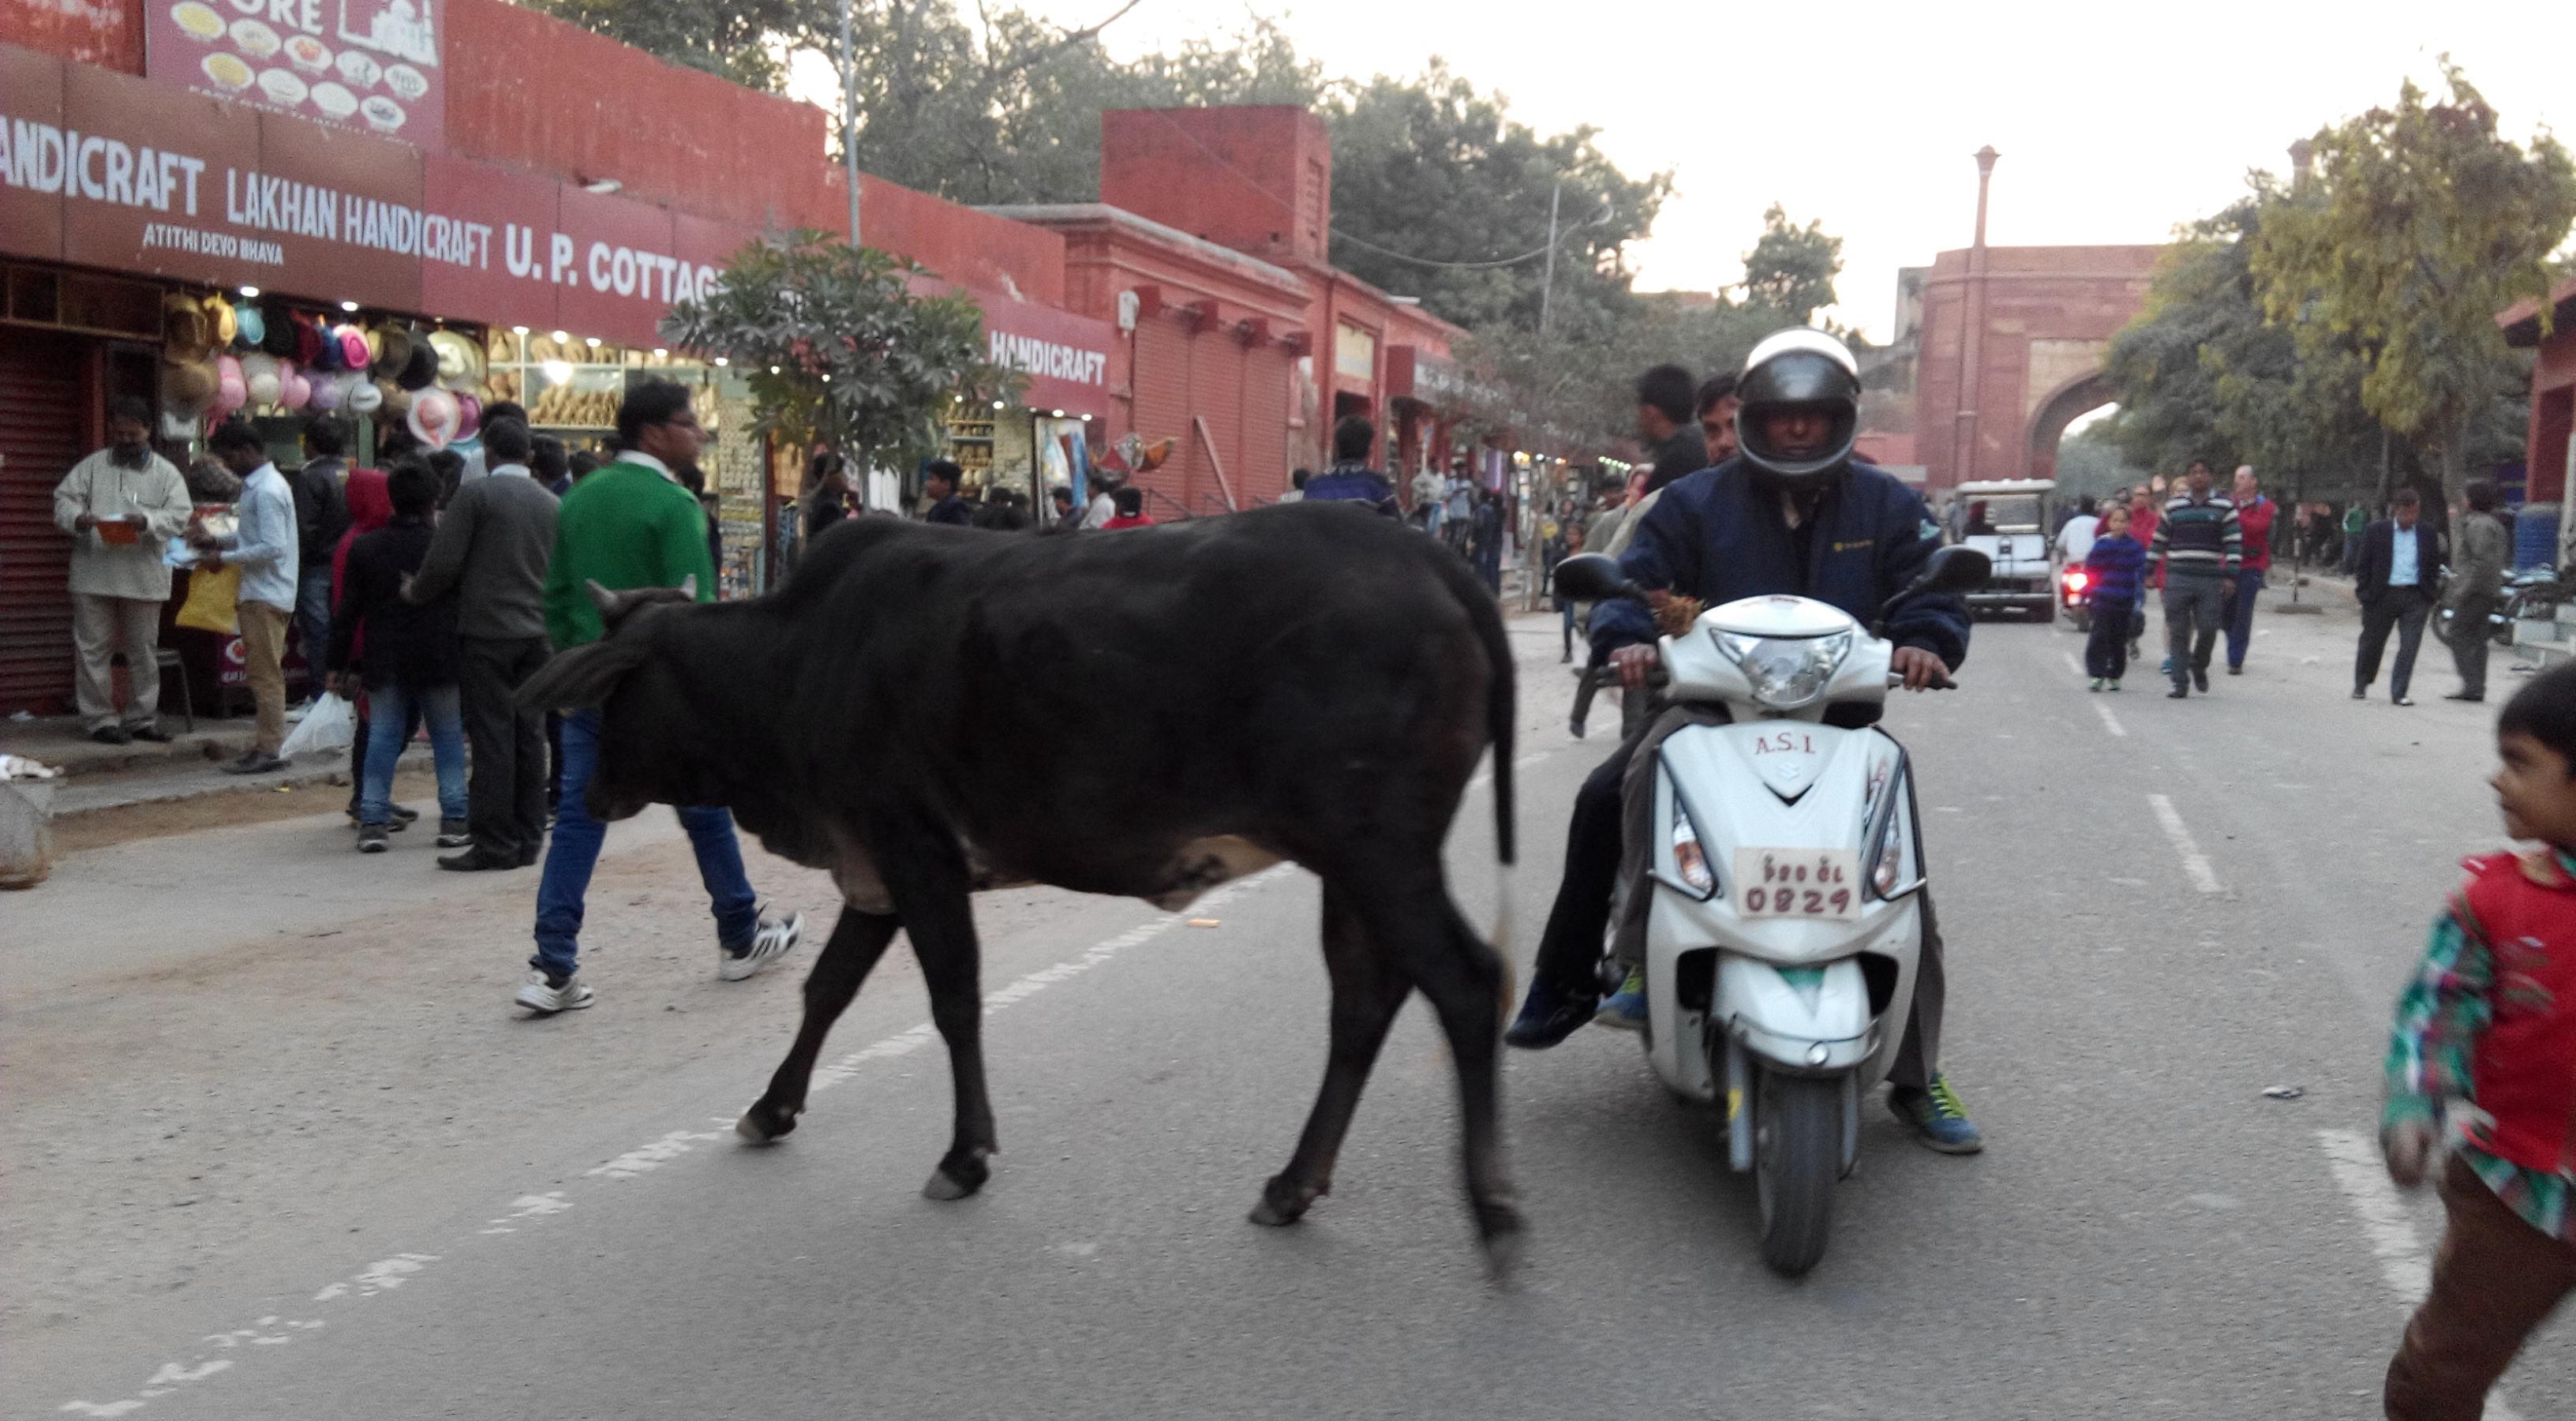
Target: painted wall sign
<point x="371" y="65"/>
<point x="107" y="170"/>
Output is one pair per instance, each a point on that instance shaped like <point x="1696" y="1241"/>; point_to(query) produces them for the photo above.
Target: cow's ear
<point x="583" y="676"/>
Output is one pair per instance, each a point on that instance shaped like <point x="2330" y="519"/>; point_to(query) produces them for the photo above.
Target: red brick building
<point x="2031" y="323"/>
<point x="2551" y="458"/>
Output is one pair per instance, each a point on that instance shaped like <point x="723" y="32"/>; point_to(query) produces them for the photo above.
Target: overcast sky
<point x="1864" y="114"/>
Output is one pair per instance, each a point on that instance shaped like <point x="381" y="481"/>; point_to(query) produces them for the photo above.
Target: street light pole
<point x="1547" y="288"/>
<point x="850" y="117"/>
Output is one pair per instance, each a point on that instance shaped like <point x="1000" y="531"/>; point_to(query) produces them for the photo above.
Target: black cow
<point x="1301" y="683"/>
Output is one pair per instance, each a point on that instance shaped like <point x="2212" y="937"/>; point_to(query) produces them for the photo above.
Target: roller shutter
<point x="43" y="381"/>
<point x="1162" y="410"/>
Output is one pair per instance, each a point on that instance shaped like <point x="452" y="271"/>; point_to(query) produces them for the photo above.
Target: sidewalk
<point x="94" y="777"/>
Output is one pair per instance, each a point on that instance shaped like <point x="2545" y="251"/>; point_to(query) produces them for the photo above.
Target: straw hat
<point x="189" y="384"/>
<point x="460" y="361"/>
<point x="185" y="332"/>
<point x="220" y="326"/>
<point x="392" y="347"/>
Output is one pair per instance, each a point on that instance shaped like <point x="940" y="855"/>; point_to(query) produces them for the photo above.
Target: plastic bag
<point x="213" y="602"/>
<point x="330" y="725"/>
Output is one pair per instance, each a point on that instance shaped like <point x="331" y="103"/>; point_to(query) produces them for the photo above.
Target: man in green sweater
<point x="630" y="525"/>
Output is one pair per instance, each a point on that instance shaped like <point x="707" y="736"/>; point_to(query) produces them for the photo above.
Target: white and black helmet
<point x="1807" y="369"/>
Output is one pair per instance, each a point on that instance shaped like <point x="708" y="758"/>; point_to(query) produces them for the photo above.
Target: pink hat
<point x="353" y="347"/>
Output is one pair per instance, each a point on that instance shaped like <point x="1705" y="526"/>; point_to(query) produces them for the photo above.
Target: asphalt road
<point x="276" y="1147"/>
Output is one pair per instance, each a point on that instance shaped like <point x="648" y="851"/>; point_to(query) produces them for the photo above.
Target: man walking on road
<point x="2254" y="514"/>
<point x="2477" y="578"/>
<point x="321" y="519"/>
<point x="491" y="547"/>
<point x="264" y="547"/>
<point x="122" y="506"/>
<point x="2197" y="546"/>
<point x="632" y="525"/>
<point x="2393" y="577"/>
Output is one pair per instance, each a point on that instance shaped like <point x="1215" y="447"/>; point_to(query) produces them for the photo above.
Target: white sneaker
<point x="538" y="997"/>
<point x="772" y="940"/>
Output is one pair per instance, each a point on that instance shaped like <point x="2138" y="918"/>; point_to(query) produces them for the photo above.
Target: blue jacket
<point x="1715" y="536"/>
<point x="1353" y="483"/>
<point x="2119" y="566"/>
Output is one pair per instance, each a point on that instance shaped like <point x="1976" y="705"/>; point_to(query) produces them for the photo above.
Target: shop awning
<point x="1428" y="378"/>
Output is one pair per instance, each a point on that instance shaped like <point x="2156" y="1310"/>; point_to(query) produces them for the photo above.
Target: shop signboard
<point x="1354" y="353"/>
<point x="369" y="65"/>
<point x="106" y="170"/>
<point x="1063" y="357"/>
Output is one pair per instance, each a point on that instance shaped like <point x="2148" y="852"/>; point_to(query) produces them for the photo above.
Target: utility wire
<point x="1339" y="235"/>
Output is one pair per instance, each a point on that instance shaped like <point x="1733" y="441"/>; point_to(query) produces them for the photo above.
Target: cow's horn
<point x="689" y="587"/>
<point x="609" y="602"/>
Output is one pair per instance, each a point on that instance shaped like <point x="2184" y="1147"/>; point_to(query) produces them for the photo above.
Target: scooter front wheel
<point x="1797" y="1158"/>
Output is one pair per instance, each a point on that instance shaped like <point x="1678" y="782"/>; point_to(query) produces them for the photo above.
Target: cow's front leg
<point x="938" y="913"/>
<point x="858" y="940"/>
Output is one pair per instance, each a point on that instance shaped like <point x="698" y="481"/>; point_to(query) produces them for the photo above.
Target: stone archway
<point x="2073" y="399"/>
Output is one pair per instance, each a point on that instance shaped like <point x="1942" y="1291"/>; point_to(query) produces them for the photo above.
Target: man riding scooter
<point x="1790" y="513"/>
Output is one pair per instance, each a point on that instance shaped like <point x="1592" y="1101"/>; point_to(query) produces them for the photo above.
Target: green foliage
<point x="837" y="346"/>
<point x="1790" y="272"/>
<point x="2427" y="222"/>
<point x="2202" y="374"/>
<point x="732" y="39"/>
<point x="2091" y="461"/>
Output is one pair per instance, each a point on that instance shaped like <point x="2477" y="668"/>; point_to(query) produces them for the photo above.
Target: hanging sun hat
<point x="231" y="391"/>
<point x="326" y="396"/>
<point x="460" y="361"/>
<point x="221" y="326"/>
<point x="421" y="370"/>
<point x="250" y="328"/>
<point x="308" y="340"/>
<point x="469" y="415"/>
<point x="189" y="384"/>
<point x="363" y="397"/>
<point x="434" y="418"/>
<point x="397" y="400"/>
<point x="185" y="332"/>
<point x="354" y="354"/>
<point x="294" y="389"/>
<point x="392" y="347"/>
<point x="277" y="329"/>
<point x="264" y="387"/>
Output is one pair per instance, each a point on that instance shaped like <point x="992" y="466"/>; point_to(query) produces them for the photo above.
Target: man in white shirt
<point x="1428" y="491"/>
<point x="134" y="496"/>
<point x="1102" y="509"/>
<point x="2077" y="538"/>
<point x="264" y="548"/>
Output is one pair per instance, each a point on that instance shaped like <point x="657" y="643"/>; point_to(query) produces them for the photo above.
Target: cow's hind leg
<point x="1368" y="990"/>
<point x="942" y="923"/>
<point x="1411" y="915"/>
<point x="858" y="940"/>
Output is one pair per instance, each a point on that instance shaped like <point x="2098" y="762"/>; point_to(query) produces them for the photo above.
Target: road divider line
<point x="2195" y="864"/>
<point x="2110" y="722"/>
<point x="2071" y="663"/>
<point x="2404" y="1263"/>
<point x="386" y="1275"/>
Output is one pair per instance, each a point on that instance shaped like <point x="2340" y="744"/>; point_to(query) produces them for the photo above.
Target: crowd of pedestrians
<point x="2210" y="556"/>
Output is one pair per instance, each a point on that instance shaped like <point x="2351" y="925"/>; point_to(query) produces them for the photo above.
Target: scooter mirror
<point x="1956" y="569"/>
<point x="1592" y="577"/>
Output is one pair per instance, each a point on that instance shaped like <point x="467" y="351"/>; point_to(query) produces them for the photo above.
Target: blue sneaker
<point x="1937" y="1117"/>
<point x="1626" y="1009"/>
<point x="1549" y="1015"/>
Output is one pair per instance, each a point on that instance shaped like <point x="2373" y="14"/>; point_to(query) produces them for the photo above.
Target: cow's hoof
<point x="957" y="1177"/>
<point x="1282" y="1203"/>
<point x="764" y="1124"/>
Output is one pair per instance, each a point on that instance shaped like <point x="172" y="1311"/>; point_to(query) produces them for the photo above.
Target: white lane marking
<point x="2195" y="864"/>
<point x="385" y="1275"/>
<point x="1486" y="777"/>
<point x="2110" y="722"/>
<point x="2071" y="663"/>
<point x="2404" y="1263"/>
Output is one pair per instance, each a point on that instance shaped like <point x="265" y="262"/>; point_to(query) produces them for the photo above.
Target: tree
<point x="2427" y="223"/>
<point x="837" y="347"/>
<point x="732" y="39"/>
<point x="1790" y="271"/>
<point x="2201" y="373"/>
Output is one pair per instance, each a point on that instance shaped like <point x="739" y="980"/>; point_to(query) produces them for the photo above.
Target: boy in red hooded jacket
<point x="2485" y="1051"/>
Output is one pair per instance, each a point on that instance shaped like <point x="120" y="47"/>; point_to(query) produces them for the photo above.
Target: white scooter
<point x="1785" y="925"/>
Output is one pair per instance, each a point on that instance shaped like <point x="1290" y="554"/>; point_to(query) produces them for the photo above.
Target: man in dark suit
<point x="2400" y="562"/>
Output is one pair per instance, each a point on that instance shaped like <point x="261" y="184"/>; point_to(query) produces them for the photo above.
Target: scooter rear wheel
<point x="1797" y="1158"/>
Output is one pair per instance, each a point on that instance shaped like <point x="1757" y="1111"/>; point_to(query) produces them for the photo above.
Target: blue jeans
<point x="2240" y="617"/>
<point x="313" y="623"/>
<point x="389" y="720"/>
<point x="574" y="852"/>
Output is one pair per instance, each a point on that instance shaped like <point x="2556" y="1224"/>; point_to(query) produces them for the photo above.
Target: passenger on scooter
<point x="1793" y="512"/>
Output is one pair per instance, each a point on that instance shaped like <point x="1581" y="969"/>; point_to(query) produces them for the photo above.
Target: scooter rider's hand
<point x="1921" y="669"/>
<point x="1634" y="664"/>
<point x="2410" y="1146"/>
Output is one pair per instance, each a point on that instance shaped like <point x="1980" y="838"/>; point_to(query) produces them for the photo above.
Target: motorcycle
<point x="1784" y="923"/>
<point x="2075" y="595"/>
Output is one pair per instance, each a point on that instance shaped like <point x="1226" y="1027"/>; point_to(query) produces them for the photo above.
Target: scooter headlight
<point x="1786" y="673"/>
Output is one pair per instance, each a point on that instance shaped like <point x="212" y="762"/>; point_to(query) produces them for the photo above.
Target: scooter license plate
<point x="1797" y="883"/>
